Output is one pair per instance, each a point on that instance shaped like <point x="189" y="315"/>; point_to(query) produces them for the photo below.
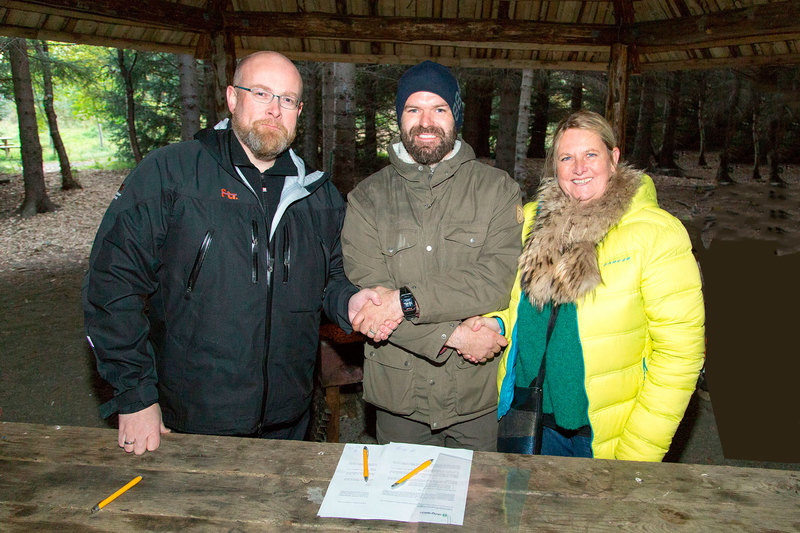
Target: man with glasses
<point x="210" y="270"/>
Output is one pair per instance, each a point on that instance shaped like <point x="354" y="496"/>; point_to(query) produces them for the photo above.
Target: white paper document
<point x="437" y="493"/>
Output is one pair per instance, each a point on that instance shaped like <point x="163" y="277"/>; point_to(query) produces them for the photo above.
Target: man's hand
<point x="478" y="322"/>
<point x="141" y="431"/>
<point x="477" y="339"/>
<point x="375" y="312"/>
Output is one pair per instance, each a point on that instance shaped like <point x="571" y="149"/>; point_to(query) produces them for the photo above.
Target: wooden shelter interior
<point x="620" y="37"/>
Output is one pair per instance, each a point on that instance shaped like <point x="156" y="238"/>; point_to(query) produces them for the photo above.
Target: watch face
<point x="408" y="304"/>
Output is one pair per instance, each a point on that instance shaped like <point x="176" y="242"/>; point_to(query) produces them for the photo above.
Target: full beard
<point x="263" y="141"/>
<point x="428" y="154"/>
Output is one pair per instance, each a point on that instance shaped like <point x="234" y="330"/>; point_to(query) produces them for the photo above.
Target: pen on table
<point x="114" y="496"/>
<point x="365" y="453"/>
<point x="413" y="473"/>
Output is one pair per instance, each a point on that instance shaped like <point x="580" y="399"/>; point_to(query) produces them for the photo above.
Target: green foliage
<point x="156" y="99"/>
<point x="89" y="91"/>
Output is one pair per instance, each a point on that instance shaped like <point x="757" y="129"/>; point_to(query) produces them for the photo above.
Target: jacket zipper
<point x="326" y="256"/>
<point x="198" y="261"/>
<point x="254" y="251"/>
<point x="287" y="253"/>
<point x="270" y="253"/>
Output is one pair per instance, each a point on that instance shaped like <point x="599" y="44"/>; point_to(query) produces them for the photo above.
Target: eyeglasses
<point x="263" y="96"/>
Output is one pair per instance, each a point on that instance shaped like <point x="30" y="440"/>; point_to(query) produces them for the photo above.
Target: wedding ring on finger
<point x="371" y="332"/>
<point x="127" y="443"/>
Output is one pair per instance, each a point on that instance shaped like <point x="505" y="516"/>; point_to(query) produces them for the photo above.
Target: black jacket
<point x="189" y="303"/>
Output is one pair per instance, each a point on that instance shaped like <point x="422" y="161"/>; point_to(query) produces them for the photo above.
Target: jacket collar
<point x="217" y="140"/>
<point x="296" y="186"/>
<point x="445" y="169"/>
<point x="559" y="261"/>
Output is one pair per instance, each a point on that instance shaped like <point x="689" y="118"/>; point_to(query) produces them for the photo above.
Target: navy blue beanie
<point x="433" y="78"/>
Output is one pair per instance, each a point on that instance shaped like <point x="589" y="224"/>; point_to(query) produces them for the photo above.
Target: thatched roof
<point x="568" y="35"/>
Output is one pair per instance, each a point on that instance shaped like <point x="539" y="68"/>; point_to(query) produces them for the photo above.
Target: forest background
<point x="114" y="106"/>
<point x="722" y="146"/>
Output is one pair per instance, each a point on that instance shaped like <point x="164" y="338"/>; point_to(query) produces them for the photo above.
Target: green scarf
<point x="564" y="391"/>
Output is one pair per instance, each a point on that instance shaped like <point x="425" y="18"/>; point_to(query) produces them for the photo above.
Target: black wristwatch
<point x="408" y="304"/>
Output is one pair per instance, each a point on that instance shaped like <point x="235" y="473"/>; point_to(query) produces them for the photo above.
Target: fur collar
<point x="559" y="261"/>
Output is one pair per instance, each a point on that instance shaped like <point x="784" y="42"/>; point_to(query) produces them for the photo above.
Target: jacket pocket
<point x="476" y="385"/>
<point x="388" y="380"/>
<point x="198" y="261"/>
<point x="254" y="252"/>
<point x="463" y="243"/>
<point x="394" y="241"/>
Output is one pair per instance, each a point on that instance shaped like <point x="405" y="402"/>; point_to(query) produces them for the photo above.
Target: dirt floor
<point x="47" y="372"/>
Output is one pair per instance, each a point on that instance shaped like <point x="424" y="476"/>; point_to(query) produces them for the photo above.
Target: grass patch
<point x="82" y="140"/>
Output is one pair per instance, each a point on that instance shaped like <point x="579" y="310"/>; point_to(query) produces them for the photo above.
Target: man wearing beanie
<point x="439" y="233"/>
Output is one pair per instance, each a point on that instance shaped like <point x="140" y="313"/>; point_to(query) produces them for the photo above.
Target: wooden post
<point x="618" y="91"/>
<point x="223" y="64"/>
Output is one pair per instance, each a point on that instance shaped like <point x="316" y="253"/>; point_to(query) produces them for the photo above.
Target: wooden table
<point x="51" y="476"/>
<point x="5" y="146"/>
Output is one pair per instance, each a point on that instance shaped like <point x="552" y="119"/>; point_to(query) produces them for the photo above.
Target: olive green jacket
<point x="452" y="235"/>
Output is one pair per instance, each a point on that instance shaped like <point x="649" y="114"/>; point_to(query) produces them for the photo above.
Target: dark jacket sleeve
<point x="338" y="289"/>
<point x="121" y="277"/>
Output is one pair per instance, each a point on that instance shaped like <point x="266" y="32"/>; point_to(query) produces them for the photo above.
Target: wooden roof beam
<point x="759" y="23"/>
<point x="722" y="62"/>
<point x="141" y="13"/>
<point x="94" y="40"/>
<point x="411" y="29"/>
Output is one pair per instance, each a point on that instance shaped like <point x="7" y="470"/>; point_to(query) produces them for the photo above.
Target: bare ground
<point x="47" y="372"/>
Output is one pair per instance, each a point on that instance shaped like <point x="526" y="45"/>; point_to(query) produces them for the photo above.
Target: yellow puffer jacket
<point x="641" y="332"/>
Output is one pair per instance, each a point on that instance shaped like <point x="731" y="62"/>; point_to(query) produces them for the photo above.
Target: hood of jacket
<point x="559" y="261"/>
<point x="410" y="169"/>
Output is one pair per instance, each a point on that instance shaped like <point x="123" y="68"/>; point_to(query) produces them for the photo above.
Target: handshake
<point x="377" y="313"/>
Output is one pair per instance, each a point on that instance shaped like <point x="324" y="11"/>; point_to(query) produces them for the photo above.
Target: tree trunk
<point x="209" y="95"/>
<point x="520" y="167"/>
<point x="327" y="116"/>
<point x="344" y="126"/>
<point x="756" y="112"/>
<point x="541" y="110"/>
<point x="68" y="181"/>
<point x="642" y="145"/>
<point x="222" y="63"/>
<point x="370" y="154"/>
<point x="617" y="97"/>
<point x="311" y="115"/>
<point x="701" y="118"/>
<point x="576" y="96"/>
<point x="775" y="132"/>
<point x="507" y="120"/>
<point x="127" y="79"/>
<point x="666" y="157"/>
<point x="731" y="118"/>
<point x="36" y="199"/>
<point x="478" y="112"/>
<point x="190" y="100"/>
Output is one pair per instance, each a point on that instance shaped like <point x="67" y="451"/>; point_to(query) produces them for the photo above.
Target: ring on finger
<point x="371" y="332"/>
<point x="128" y="443"/>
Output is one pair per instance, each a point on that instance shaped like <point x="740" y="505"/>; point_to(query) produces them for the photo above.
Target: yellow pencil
<point x="365" y="453"/>
<point x="114" y="496"/>
<point x="413" y="473"/>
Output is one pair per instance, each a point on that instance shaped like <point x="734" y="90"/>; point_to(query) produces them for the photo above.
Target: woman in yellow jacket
<point x="627" y="343"/>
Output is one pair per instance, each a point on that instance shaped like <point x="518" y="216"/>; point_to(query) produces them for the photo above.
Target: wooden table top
<point x="51" y="476"/>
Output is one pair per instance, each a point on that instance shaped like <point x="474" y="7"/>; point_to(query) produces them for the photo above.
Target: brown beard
<point x="427" y="155"/>
<point x="265" y="143"/>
